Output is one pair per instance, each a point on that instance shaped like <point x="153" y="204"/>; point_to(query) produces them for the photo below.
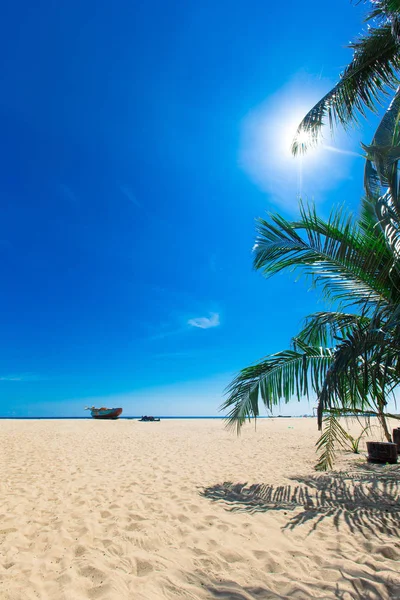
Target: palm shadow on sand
<point x="359" y="587"/>
<point x="366" y="499"/>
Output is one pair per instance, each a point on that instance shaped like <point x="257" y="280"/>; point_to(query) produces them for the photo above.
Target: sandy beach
<point x="185" y="509"/>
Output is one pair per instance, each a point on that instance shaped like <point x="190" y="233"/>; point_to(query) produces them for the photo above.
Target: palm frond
<point x="361" y="87"/>
<point x="381" y="181"/>
<point x="278" y="377"/>
<point x="384" y="10"/>
<point x="334" y="434"/>
<point x="368" y="220"/>
<point x="345" y="259"/>
<point x="325" y="328"/>
<point x="364" y="370"/>
<point x="383" y="153"/>
<point x="389" y="212"/>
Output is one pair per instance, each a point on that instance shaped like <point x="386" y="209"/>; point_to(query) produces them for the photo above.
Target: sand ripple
<point x="184" y="509"/>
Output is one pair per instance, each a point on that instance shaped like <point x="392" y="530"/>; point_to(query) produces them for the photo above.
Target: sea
<point x="128" y="418"/>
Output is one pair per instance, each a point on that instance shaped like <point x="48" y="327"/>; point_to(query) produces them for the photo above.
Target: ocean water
<point x="140" y="416"/>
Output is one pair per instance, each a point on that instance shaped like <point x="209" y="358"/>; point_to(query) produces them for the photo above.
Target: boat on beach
<point x="104" y="413"/>
<point x="149" y="419"/>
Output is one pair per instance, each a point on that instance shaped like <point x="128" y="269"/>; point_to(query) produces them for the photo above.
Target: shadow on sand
<point x="366" y="499"/>
<point x="353" y="586"/>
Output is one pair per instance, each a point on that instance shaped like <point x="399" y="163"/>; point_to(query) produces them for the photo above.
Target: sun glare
<point x="290" y="133"/>
<point x="266" y="148"/>
<point x="303" y="137"/>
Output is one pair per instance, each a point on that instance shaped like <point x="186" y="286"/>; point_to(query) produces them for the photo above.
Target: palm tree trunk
<point x="383" y="422"/>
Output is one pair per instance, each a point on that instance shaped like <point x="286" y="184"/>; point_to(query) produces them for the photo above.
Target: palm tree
<point x="350" y="360"/>
<point x="365" y="83"/>
<point x="350" y="357"/>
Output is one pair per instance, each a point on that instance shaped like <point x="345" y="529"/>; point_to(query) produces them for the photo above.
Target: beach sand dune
<point x="187" y="510"/>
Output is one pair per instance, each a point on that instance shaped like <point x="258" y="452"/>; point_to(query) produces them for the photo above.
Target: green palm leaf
<point x="326" y="327"/>
<point x="348" y="261"/>
<point x="364" y="370"/>
<point x="277" y="378"/>
<point x="384" y="10"/>
<point x="333" y="435"/>
<point x="383" y="154"/>
<point x="350" y="361"/>
<point x="362" y="86"/>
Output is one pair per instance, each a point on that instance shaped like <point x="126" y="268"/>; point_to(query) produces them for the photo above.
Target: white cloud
<point x="205" y="322"/>
<point x="341" y="151"/>
<point x="22" y="377"/>
<point x="265" y="153"/>
<point x="68" y="193"/>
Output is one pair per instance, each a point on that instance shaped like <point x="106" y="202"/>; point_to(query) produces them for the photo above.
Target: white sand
<point x="120" y="510"/>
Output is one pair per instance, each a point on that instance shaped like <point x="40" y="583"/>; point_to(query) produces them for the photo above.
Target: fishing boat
<point x="104" y="413"/>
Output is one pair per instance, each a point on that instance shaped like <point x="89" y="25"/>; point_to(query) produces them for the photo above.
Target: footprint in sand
<point x="7" y="531"/>
<point x="143" y="567"/>
<point x="388" y="552"/>
<point x="79" y="550"/>
<point x="99" y="591"/>
<point x="231" y="557"/>
<point x="92" y="573"/>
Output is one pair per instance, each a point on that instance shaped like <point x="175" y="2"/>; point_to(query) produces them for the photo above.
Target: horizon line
<point x="158" y="416"/>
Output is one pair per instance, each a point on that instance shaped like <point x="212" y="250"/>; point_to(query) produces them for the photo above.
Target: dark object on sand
<point x="382" y="452"/>
<point x="104" y="413"/>
<point x="149" y="419"/>
<point x="396" y="438"/>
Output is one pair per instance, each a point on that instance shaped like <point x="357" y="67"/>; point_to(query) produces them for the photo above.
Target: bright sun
<point x="288" y="135"/>
<point x="304" y="137"/>
<point x="268" y="132"/>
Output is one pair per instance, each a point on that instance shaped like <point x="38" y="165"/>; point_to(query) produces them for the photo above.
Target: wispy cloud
<point x="214" y="263"/>
<point x="22" y="377"/>
<point x="68" y="193"/>
<point x="205" y="322"/>
<point x="341" y="151"/>
<point x="128" y="193"/>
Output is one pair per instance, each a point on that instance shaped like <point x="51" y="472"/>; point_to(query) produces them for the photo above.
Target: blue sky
<point x="140" y="141"/>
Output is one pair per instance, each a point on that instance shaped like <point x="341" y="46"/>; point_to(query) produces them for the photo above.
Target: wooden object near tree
<point x="396" y="438"/>
<point x="382" y="452"/>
